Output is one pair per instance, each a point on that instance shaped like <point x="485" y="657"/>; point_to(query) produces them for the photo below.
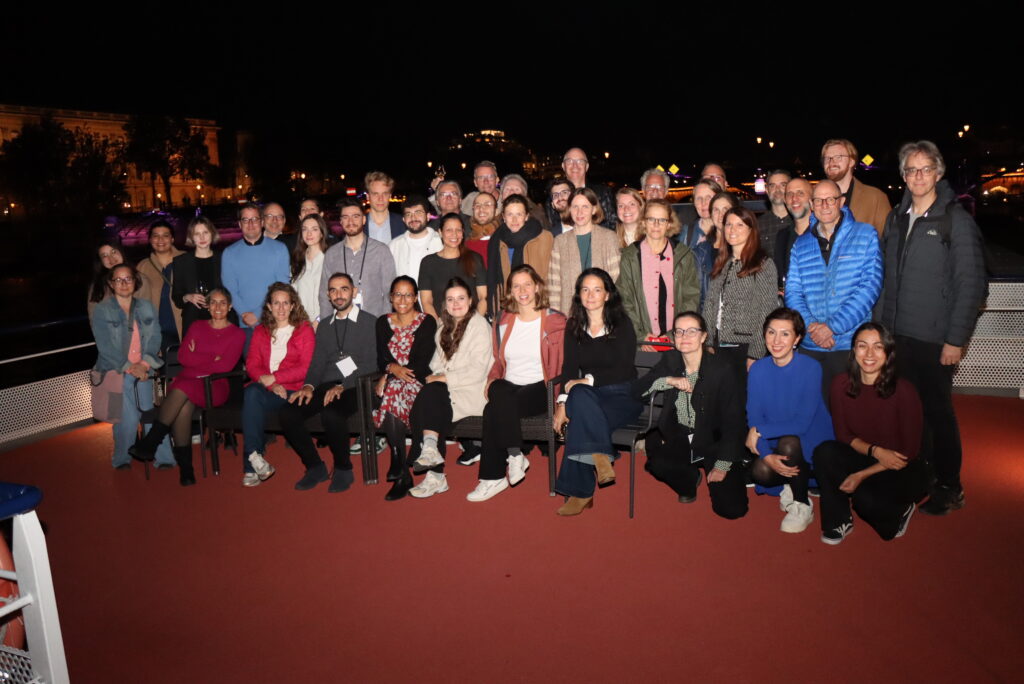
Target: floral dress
<point x="398" y="394"/>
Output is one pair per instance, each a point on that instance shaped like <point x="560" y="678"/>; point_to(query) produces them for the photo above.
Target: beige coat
<point x="466" y="372"/>
<point x="869" y="205"/>
<point x="566" y="264"/>
<point x="152" y="284"/>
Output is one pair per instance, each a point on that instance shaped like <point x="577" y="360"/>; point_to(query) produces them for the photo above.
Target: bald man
<point x="835" y="276"/>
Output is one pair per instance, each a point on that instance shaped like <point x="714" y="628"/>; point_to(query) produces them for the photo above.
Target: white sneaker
<point x="485" y="489"/>
<point x="517" y="467"/>
<point x="785" y="498"/>
<point x="429" y="457"/>
<point x="433" y="483"/>
<point x="798" y="517"/>
<point x="250" y="480"/>
<point x="263" y="469"/>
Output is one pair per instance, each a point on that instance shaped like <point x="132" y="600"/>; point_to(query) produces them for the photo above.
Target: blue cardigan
<point x="248" y="270"/>
<point x="787" y="401"/>
<point x="842" y="293"/>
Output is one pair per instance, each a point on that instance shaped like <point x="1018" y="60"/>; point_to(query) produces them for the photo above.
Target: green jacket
<point x="685" y="285"/>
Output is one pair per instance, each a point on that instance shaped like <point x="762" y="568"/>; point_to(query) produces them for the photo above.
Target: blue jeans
<point x="258" y="401"/>
<point x="127" y="431"/>
<point x="594" y="414"/>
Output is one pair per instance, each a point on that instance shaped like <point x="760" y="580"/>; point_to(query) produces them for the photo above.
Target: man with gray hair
<point x="655" y="184"/>
<point x="934" y="285"/>
<point x="485" y="178"/>
<point x="514" y="184"/>
<point x="448" y="197"/>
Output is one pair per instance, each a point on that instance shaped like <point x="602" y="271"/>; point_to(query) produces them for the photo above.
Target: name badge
<point x="345" y="365"/>
<point x="358" y="301"/>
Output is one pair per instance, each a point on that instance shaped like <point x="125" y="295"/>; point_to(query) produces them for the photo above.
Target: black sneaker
<point x="944" y="500"/>
<point x="690" y="498"/>
<point x="837" y="534"/>
<point x="905" y="520"/>
<point x="313" y="477"/>
<point x="341" y="480"/>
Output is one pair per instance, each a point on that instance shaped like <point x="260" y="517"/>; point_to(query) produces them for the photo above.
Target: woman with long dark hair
<point x="307" y="262"/>
<point x="873" y="462"/>
<point x="453" y="390"/>
<point x="787" y="416"/>
<point x="598" y="367"/>
<point x="743" y="290"/>
<point x="455" y="260"/>
<point x="197" y="273"/>
<point x="405" y="345"/>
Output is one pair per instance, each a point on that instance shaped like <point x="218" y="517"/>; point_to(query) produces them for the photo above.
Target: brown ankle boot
<point x="575" y="505"/>
<point x="605" y="472"/>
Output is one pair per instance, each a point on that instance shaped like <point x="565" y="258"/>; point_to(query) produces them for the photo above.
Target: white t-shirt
<point x="522" y="353"/>
<point x="279" y="346"/>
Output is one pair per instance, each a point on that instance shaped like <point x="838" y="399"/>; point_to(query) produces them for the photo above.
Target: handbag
<point x="107" y="390"/>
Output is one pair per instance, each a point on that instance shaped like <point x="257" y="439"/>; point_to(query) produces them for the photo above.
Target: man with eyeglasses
<point x="777" y="218"/>
<point x="835" y="275"/>
<point x="251" y="265"/>
<point x="867" y="204"/>
<point x="557" y="206"/>
<point x="448" y="197"/>
<point x="934" y="286"/>
<point x="382" y="224"/>
<point x="798" y="205"/>
<point x="368" y="261"/>
<point x="575" y="165"/>
<point x="485" y="179"/>
<point x="418" y="241"/>
<point x="715" y="172"/>
<point x="273" y="225"/>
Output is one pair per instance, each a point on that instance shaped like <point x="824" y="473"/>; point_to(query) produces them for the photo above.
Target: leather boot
<point x="401" y="487"/>
<point x="186" y="475"/>
<point x="605" y="472"/>
<point x="575" y="505"/>
<point x="397" y="463"/>
<point x="145" y="448"/>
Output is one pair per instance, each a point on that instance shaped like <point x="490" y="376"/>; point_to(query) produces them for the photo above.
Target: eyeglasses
<point x="835" y="157"/>
<point x="448" y="194"/>
<point x="648" y="188"/>
<point x="827" y="201"/>
<point x="487" y="176"/>
<point x="558" y="194"/>
<point x="251" y="220"/>
<point x="574" y="162"/>
<point x="124" y="280"/>
<point x="414" y="212"/>
<point x="403" y="295"/>
<point x="687" y="332"/>
<point x="656" y="221"/>
<point x="274" y="217"/>
<point x="912" y="172"/>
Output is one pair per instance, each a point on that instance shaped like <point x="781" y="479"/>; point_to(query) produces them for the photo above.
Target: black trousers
<point x="879" y="500"/>
<point x="432" y="410"/>
<point x="335" y="419"/>
<point x="918" y="362"/>
<point x="507" y="404"/>
<point x="668" y="460"/>
<point x="737" y="359"/>
<point x="832" y="364"/>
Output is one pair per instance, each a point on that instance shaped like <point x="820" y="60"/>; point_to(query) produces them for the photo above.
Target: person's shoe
<point x="798" y="517"/>
<point x="943" y="500"/>
<point x="433" y="483"/>
<point x="837" y="534"/>
<point x="517" y="467"/>
<point x="251" y="480"/>
<point x="263" y="469"/>
<point x="785" y="498"/>
<point x="905" y="520"/>
<point x="123" y="466"/>
<point x="183" y="457"/>
<point x="574" y="505"/>
<point x="814" y="491"/>
<point x="396" y="470"/>
<point x="401" y="487"/>
<point x="355" y="448"/>
<point x="605" y="472"/>
<point x="429" y="457"/>
<point x="145" y="449"/>
<point x="690" y="498"/>
<point x="313" y="477"/>
<point x="163" y="466"/>
<point x="468" y="458"/>
<point x="485" y="489"/>
<point x="340" y="481"/>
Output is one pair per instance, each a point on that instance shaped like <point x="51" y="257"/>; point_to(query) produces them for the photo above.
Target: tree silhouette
<point x="166" y="146"/>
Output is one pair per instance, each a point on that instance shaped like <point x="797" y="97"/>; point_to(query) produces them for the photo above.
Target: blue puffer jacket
<point x="842" y="293"/>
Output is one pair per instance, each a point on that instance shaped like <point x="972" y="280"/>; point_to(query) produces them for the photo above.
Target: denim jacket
<point x="113" y="336"/>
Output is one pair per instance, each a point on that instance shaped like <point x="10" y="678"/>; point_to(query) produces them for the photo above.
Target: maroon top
<point x="894" y="423"/>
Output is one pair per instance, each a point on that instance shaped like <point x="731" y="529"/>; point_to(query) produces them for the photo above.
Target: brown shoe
<point x="575" y="505"/>
<point x="605" y="472"/>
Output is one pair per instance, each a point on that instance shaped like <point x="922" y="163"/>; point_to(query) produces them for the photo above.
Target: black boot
<point x="145" y="448"/>
<point x="186" y="475"/>
<point x="397" y="463"/>
<point x="401" y="487"/>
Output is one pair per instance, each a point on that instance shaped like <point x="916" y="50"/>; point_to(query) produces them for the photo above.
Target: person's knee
<point x="789" y="446"/>
<point x="730" y="510"/>
<point x="761" y="473"/>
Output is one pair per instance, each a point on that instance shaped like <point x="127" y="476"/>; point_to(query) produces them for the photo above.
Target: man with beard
<point x="798" y="204"/>
<point x="449" y="201"/>
<point x="383" y="225"/>
<point x="558" y="206"/>
<point x="346" y="348"/>
<point x="485" y="179"/>
<point x="777" y="218"/>
<point x="418" y="240"/>
<point x="368" y="260"/>
<point x="866" y="203"/>
<point x="575" y="165"/>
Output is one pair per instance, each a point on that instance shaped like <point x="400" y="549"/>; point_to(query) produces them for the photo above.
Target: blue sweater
<point x="787" y="401"/>
<point x="248" y="270"/>
<point x="841" y="293"/>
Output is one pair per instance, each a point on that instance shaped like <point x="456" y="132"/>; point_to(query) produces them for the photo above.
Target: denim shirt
<point x="113" y="336"/>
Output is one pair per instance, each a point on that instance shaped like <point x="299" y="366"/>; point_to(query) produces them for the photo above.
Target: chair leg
<point x="202" y="443"/>
<point x="552" y="465"/>
<point x="632" y="477"/>
<point x="214" y="453"/>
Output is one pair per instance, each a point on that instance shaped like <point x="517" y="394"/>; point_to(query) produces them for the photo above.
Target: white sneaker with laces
<point x="485" y="489"/>
<point x="798" y="517"/>
<point x="263" y="469"/>
<point x="517" y="467"/>
<point x="433" y="483"/>
<point x="250" y="480"/>
<point x="429" y="457"/>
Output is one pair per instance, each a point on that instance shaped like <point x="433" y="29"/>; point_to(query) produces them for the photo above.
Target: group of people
<point x="772" y="369"/>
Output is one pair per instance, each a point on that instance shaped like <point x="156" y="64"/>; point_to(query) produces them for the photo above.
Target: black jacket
<point x="720" y="425"/>
<point x="934" y="283"/>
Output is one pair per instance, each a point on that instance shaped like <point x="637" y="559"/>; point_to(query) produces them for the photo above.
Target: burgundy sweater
<point x="894" y="423"/>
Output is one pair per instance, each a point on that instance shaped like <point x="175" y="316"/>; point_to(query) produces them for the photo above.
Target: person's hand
<point x="249" y="318"/>
<point x="302" y="397"/>
<point x="821" y="334"/>
<point x="192" y="344"/>
<point x="752" y="436"/>
<point x="777" y="463"/>
<point x="438" y="179"/>
<point x="267" y="380"/>
<point x="560" y="419"/>
<point x="279" y="391"/>
<point x="379" y="387"/>
<point x="950" y="355"/>
<point x="681" y="384"/>
<point x="196" y="299"/>
<point x="892" y="460"/>
<point x="139" y="371"/>
<point x="850" y="484"/>
<point x="436" y="378"/>
<point x="403" y="373"/>
<point x="333" y="394"/>
<point x="716" y="475"/>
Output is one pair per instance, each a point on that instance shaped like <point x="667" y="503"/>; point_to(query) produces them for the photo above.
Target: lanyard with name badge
<point x="344" y="363"/>
<point x="358" y="301"/>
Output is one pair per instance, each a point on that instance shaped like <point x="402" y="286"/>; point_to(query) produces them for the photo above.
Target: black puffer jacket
<point x="933" y="290"/>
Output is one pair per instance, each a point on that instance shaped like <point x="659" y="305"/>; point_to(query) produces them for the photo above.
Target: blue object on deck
<point x="17" y="498"/>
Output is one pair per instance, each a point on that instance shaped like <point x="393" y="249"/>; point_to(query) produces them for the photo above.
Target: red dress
<point x="398" y="394"/>
<point x="216" y="351"/>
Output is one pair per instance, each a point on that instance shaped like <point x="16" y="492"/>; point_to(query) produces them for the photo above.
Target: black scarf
<point x="517" y="241"/>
